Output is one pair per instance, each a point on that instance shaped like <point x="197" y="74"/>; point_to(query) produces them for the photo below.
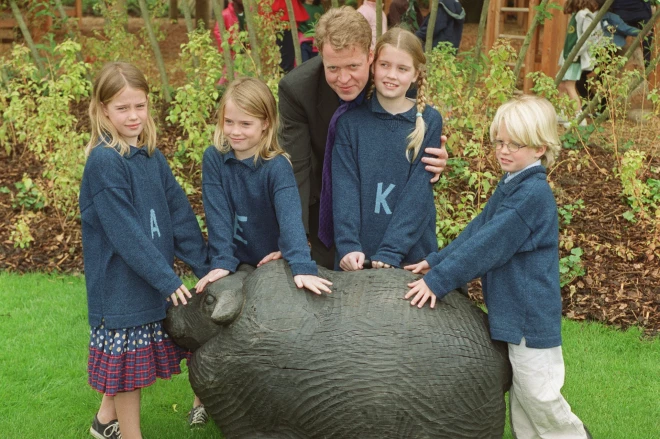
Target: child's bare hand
<point x="271" y="257"/>
<point x="420" y="267"/>
<point x="212" y="276"/>
<point x="180" y="294"/>
<point x="313" y="283"/>
<point x="422" y="294"/>
<point x="352" y="262"/>
<point x="379" y="264"/>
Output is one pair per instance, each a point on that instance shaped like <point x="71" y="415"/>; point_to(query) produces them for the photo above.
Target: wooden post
<point x="379" y="18"/>
<point x="79" y="11"/>
<point x="202" y="11"/>
<point x="252" y="32"/>
<point x="531" y="35"/>
<point x="294" y="32"/>
<point x="429" y="31"/>
<point x="174" y="9"/>
<point x="65" y="18"/>
<point x="187" y="16"/>
<point x="479" y="44"/>
<point x="122" y="8"/>
<point x="189" y="25"/>
<point x="156" y="49"/>
<point x="655" y="77"/>
<point x="550" y="50"/>
<point x="27" y="36"/>
<point x="226" y="51"/>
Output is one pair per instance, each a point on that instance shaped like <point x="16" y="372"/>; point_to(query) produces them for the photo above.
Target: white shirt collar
<point x="510" y="176"/>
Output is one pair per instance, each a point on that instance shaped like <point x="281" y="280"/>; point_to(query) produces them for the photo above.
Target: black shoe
<point x="464" y="290"/>
<point x="198" y="417"/>
<point x="105" y="431"/>
<point x="587" y="431"/>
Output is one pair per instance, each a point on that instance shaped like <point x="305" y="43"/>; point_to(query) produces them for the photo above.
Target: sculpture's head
<point x="219" y="305"/>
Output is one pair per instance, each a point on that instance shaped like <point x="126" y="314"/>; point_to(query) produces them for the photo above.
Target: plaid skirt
<point x="123" y="360"/>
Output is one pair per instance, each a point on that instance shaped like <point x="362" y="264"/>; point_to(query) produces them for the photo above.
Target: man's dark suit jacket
<point x="306" y="105"/>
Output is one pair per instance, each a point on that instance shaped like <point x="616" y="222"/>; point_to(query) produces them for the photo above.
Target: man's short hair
<point x="341" y="28"/>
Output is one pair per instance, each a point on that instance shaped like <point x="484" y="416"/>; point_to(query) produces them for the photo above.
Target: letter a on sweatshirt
<point x="381" y="198"/>
<point x="154" y="224"/>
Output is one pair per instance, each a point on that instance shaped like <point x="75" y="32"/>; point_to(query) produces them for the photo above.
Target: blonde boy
<point x="513" y="246"/>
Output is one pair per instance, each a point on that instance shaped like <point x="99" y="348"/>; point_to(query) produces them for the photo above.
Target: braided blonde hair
<point x="406" y="41"/>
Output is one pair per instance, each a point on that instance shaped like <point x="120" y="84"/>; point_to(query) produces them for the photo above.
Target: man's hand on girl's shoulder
<point x="435" y="165"/>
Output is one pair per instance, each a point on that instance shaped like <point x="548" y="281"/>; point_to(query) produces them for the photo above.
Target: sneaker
<point x="198" y="417"/>
<point x="105" y="431"/>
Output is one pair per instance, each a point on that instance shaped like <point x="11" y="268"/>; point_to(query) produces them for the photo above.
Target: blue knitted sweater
<point x="615" y="28"/>
<point x="135" y="219"/>
<point x="383" y="204"/>
<point x="253" y="210"/>
<point x="513" y="245"/>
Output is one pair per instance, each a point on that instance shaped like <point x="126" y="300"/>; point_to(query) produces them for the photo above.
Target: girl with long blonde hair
<point x="382" y="203"/>
<point x="135" y="219"/>
<point x="251" y="200"/>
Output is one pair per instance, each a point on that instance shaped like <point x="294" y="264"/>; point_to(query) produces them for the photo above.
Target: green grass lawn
<point x="612" y="377"/>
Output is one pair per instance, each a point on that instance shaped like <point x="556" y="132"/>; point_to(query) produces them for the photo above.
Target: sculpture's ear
<point x="245" y="268"/>
<point x="230" y="298"/>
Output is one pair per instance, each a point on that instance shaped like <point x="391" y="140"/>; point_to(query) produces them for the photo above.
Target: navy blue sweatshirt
<point x="448" y="24"/>
<point x="513" y="245"/>
<point x="383" y="204"/>
<point x="253" y="210"/>
<point x="135" y="219"/>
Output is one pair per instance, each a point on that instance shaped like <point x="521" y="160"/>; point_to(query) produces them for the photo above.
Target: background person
<point x="448" y="24"/>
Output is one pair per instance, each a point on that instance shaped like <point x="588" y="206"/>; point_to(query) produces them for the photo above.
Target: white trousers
<point x="538" y="410"/>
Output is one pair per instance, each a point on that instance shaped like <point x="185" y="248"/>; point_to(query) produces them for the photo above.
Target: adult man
<point x="310" y="95"/>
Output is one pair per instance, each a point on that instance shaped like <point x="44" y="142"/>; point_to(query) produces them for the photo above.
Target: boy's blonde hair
<point x="343" y="27"/>
<point x="406" y="41"/>
<point x="109" y="82"/>
<point x="532" y="121"/>
<point x="255" y="99"/>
